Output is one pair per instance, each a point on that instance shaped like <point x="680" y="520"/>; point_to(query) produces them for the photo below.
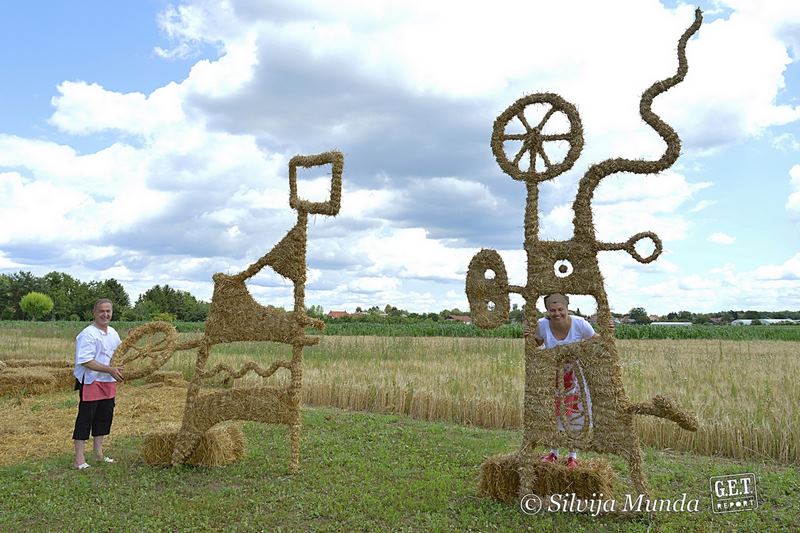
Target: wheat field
<point x="745" y="393"/>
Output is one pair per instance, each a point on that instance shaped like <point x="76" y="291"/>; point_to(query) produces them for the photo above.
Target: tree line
<point x="73" y="299"/>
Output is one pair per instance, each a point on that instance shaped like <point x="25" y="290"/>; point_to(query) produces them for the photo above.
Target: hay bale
<point x="506" y="477"/>
<point x="34" y="379"/>
<point x="587" y="481"/>
<point x="221" y="445"/>
<point x="500" y="477"/>
<point x="49" y="363"/>
<point x="167" y="377"/>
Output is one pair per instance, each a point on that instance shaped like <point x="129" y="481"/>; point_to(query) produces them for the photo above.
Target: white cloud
<point x="786" y="141"/>
<point x="409" y="253"/>
<point x="187" y="197"/>
<point x="702" y="204"/>
<point x="721" y="238"/>
<point x="789" y="270"/>
<point x="84" y="108"/>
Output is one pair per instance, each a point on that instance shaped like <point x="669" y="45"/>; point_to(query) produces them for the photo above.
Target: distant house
<point x="670" y="323"/>
<point x="459" y="318"/>
<point x="338" y="314"/>
<point x="654" y="318"/>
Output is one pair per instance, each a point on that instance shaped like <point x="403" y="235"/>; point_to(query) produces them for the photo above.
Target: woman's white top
<point x="579" y="330"/>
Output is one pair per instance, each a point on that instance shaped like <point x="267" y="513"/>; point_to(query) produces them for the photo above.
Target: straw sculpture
<point x="221" y="445"/>
<point x="235" y="316"/>
<point x="34" y="376"/>
<point x="569" y="267"/>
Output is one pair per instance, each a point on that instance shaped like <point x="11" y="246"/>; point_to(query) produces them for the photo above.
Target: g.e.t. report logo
<point x="733" y="493"/>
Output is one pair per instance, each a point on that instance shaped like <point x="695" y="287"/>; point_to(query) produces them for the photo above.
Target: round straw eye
<point x="562" y="268"/>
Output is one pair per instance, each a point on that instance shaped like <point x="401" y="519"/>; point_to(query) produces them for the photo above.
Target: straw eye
<point x="562" y="268"/>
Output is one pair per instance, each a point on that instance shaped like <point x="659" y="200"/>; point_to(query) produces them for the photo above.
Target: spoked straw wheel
<point x="145" y="349"/>
<point x="527" y="136"/>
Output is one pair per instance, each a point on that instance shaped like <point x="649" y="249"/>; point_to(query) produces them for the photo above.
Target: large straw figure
<point x="235" y="316"/>
<point x="568" y="267"/>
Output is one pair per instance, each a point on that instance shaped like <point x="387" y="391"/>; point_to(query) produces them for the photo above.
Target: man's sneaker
<point x="572" y="463"/>
<point x="549" y="458"/>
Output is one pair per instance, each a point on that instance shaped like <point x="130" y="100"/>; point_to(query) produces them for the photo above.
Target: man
<point x="96" y="383"/>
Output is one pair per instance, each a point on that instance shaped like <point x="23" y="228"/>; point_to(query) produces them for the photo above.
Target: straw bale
<point x="34" y="379"/>
<point x="49" y="363"/>
<point x="509" y="476"/>
<point x="588" y="480"/>
<point x="500" y="477"/>
<point x="221" y="445"/>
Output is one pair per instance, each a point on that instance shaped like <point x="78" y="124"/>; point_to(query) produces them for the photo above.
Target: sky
<point x="149" y="141"/>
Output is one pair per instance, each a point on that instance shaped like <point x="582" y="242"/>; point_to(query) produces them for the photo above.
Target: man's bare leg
<point x="80" y="457"/>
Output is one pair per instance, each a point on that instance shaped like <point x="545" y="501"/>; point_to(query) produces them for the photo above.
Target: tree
<point x="17" y="286"/>
<point x="36" y="305"/>
<point x="639" y="315"/>
<point x="165" y="299"/>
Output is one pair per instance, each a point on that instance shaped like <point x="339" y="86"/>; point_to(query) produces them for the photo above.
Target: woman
<point x="558" y="328"/>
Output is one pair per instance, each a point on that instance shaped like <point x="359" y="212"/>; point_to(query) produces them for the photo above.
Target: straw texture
<point x="236" y="316"/>
<point x="221" y="445"/>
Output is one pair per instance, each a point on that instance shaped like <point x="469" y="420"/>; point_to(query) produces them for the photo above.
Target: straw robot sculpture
<point x="569" y="267"/>
<point x="235" y="316"/>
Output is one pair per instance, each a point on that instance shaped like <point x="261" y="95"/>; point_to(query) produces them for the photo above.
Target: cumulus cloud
<point x="195" y="178"/>
<point x="789" y="270"/>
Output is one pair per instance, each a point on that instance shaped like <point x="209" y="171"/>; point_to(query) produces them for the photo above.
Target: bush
<point x="36" y="305"/>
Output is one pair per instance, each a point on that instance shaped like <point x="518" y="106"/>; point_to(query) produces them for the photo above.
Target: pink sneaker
<point x="549" y="458"/>
<point x="572" y="463"/>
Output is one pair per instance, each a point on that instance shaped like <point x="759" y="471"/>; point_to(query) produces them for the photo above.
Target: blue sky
<point x="148" y="141"/>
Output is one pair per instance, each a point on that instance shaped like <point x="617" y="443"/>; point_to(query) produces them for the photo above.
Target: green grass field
<point x="388" y="472"/>
<point x="359" y="472"/>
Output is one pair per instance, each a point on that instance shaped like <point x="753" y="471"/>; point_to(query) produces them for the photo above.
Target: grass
<point x="359" y="472"/>
<point x="743" y="392"/>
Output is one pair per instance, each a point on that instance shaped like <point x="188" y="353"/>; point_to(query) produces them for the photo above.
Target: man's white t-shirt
<point x="93" y="343"/>
<point x="579" y="330"/>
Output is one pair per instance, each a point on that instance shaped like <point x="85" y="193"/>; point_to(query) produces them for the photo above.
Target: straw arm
<point x="223" y="368"/>
<point x="665" y="408"/>
<point x="584" y="229"/>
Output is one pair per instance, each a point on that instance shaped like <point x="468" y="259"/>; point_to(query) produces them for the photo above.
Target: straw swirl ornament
<point x="568" y="267"/>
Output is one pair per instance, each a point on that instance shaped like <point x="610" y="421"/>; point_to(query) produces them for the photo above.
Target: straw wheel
<point x="145" y="349"/>
<point x="521" y="146"/>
